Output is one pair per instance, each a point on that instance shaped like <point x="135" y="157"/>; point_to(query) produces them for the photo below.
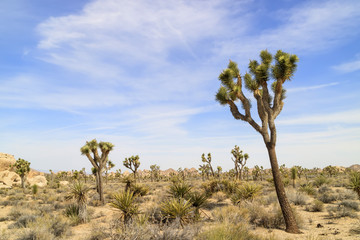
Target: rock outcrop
<point x="9" y="178"/>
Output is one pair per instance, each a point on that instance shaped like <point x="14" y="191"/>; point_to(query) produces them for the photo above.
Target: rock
<point x="9" y="178"/>
<point x="64" y="183"/>
<point x="39" y="180"/>
<point x="5" y="161"/>
<point x="2" y="186"/>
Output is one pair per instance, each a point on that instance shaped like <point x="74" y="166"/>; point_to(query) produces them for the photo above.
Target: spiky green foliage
<point x="177" y="209"/>
<point x="22" y="167"/>
<point x="79" y="191"/>
<point x="132" y="163"/>
<point x="247" y="191"/>
<point x="179" y="189"/>
<point x="126" y="203"/>
<point x="355" y="182"/>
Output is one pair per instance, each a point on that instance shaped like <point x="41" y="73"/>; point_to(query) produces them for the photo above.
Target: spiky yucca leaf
<point x="355" y="182"/>
<point x="178" y="209"/>
<point x="179" y="189"/>
<point x="125" y="202"/>
<point x="78" y="191"/>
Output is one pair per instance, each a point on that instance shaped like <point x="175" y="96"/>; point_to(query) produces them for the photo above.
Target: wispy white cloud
<point x="308" y="27"/>
<point x="324" y="119"/>
<point x="302" y="89"/>
<point x="348" y="66"/>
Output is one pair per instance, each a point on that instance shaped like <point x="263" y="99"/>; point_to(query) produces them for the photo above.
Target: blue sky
<point x="143" y="75"/>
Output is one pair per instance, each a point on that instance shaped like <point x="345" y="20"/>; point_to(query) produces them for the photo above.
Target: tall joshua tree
<point x="268" y="107"/>
<point x="239" y="161"/>
<point x="90" y="149"/>
<point x="208" y="161"/>
<point x="22" y="168"/>
<point x="133" y="164"/>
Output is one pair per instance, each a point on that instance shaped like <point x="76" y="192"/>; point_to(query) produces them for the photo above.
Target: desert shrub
<point x="321" y="180"/>
<point x="316" y="206"/>
<point x="154" y="213"/>
<point x="247" y="191"/>
<point x="350" y="204"/>
<point x="177" y="209"/>
<point x="229" y="187"/>
<point x="273" y="218"/>
<point x="308" y="189"/>
<point x="270" y="199"/>
<point x="297" y="198"/>
<point x="355" y="229"/>
<point x="23" y="221"/>
<point x="327" y="197"/>
<point x="219" y="196"/>
<point x="346" y="194"/>
<point x="179" y="189"/>
<point x="46" y="227"/>
<point x="324" y="189"/>
<point x="139" y="190"/>
<point x="212" y="186"/>
<point x="227" y="231"/>
<point x="171" y="232"/>
<point x="72" y="212"/>
<point x="231" y="214"/>
<point x="340" y="211"/>
<point x="98" y="233"/>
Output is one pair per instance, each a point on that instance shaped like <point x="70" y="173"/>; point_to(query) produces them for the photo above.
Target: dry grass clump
<point x="46" y="227"/>
<point x="341" y="211"/>
<point x="231" y="214"/>
<point x="238" y="231"/>
<point x="316" y="206"/>
<point x="297" y="198"/>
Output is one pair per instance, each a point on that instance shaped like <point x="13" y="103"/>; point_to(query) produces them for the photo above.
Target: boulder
<point x="9" y="178"/>
<point x="64" y="183"/>
<point x="39" y="180"/>
<point x="5" y="161"/>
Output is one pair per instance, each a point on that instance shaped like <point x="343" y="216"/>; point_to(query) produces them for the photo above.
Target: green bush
<point x="247" y="191"/>
<point x="308" y="189"/>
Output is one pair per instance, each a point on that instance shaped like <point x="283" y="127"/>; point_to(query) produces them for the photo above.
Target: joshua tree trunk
<point x="290" y="221"/>
<point x="22" y="181"/>
<point x="100" y="188"/>
<point x="83" y="212"/>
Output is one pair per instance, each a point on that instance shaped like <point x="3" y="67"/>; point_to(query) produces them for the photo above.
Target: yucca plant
<point x="125" y="202"/>
<point x="198" y="200"/>
<point x="177" y="209"/>
<point x="179" y="189"/>
<point x="129" y="181"/>
<point x="79" y="191"/>
<point x="247" y="191"/>
<point x="355" y="182"/>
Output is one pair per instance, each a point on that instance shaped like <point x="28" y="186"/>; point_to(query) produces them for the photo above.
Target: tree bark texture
<point x="289" y="218"/>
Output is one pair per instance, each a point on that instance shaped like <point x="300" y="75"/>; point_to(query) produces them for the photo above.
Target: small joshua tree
<point x="208" y="161"/>
<point x="239" y="161"/>
<point x="78" y="191"/>
<point x="22" y="168"/>
<point x="90" y="150"/>
<point x="205" y="171"/>
<point x="154" y="172"/>
<point x="133" y="164"/>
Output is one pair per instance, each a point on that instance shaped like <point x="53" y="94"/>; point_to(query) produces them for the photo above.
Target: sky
<point x="143" y="76"/>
